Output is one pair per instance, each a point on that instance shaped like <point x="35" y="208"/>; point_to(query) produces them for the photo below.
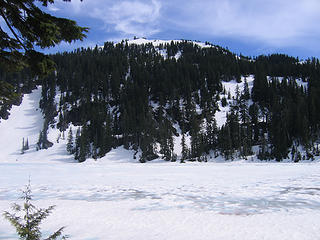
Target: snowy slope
<point x="25" y="121"/>
<point x="163" y="52"/>
<point x="221" y="116"/>
<point x="117" y="198"/>
<point x="157" y="43"/>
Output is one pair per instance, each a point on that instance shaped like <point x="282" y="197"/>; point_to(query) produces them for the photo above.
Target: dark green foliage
<point x="25" y="145"/>
<point x="84" y="144"/>
<point x="246" y="92"/>
<point x="27" y="219"/>
<point x="224" y="102"/>
<point x="28" y="27"/>
<point x="130" y="95"/>
<point x="185" y="150"/>
<point x="43" y="142"/>
<point x="77" y="145"/>
<point x="70" y="147"/>
<point x="8" y="97"/>
<point x="260" y="87"/>
<point x="96" y="83"/>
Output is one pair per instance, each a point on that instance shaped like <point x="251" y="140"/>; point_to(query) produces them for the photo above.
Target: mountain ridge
<point x="147" y="94"/>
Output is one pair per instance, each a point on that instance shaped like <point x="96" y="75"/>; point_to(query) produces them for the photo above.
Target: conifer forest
<point x="142" y="96"/>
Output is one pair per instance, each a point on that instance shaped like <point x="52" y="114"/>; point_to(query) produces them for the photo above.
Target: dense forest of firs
<point x="142" y="96"/>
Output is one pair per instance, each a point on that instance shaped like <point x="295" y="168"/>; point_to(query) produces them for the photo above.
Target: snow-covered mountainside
<point x="118" y="198"/>
<point x="178" y="100"/>
<point x="120" y="102"/>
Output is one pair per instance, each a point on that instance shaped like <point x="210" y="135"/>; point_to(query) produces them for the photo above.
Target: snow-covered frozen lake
<point x="116" y="198"/>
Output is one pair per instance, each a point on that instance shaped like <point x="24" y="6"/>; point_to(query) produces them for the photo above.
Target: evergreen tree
<point x="23" y="147"/>
<point x="40" y="140"/>
<point x="224" y="102"/>
<point x="260" y="87"/>
<point x="264" y="149"/>
<point x="43" y="142"/>
<point x="166" y="141"/>
<point x="131" y="95"/>
<point x="70" y="148"/>
<point x="29" y="27"/>
<point x="211" y="133"/>
<point x="94" y="146"/>
<point x="237" y="92"/>
<point x="225" y="142"/>
<point x="84" y="150"/>
<point x="246" y="92"/>
<point x="77" y="145"/>
<point x="28" y="225"/>
<point x="184" y="150"/>
<point x="27" y="145"/>
<point x="279" y="133"/>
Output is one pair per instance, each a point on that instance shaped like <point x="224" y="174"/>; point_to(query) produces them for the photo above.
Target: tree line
<point x="135" y="96"/>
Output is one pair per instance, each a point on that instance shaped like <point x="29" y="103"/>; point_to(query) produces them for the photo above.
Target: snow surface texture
<point x="118" y="198"/>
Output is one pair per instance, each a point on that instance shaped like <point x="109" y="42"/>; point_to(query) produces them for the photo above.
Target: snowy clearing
<point x="118" y="198"/>
<point x="230" y="87"/>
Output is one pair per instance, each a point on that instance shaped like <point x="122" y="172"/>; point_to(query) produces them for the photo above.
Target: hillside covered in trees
<point x="146" y="96"/>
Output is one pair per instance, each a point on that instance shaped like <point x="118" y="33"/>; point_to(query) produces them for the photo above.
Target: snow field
<point x="111" y="200"/>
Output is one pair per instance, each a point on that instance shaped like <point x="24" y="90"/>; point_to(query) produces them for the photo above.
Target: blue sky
<point x="250" y="27"/>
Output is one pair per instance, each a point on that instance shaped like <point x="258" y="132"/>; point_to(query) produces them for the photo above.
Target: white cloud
<point x="270" y="21"/>
<point x="53" y="8"/>
<point x="134" y="17"/>
<point x="138" y="17"/>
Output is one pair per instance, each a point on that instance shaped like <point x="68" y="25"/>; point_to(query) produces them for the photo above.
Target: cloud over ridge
<point x="269" y="23"/>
